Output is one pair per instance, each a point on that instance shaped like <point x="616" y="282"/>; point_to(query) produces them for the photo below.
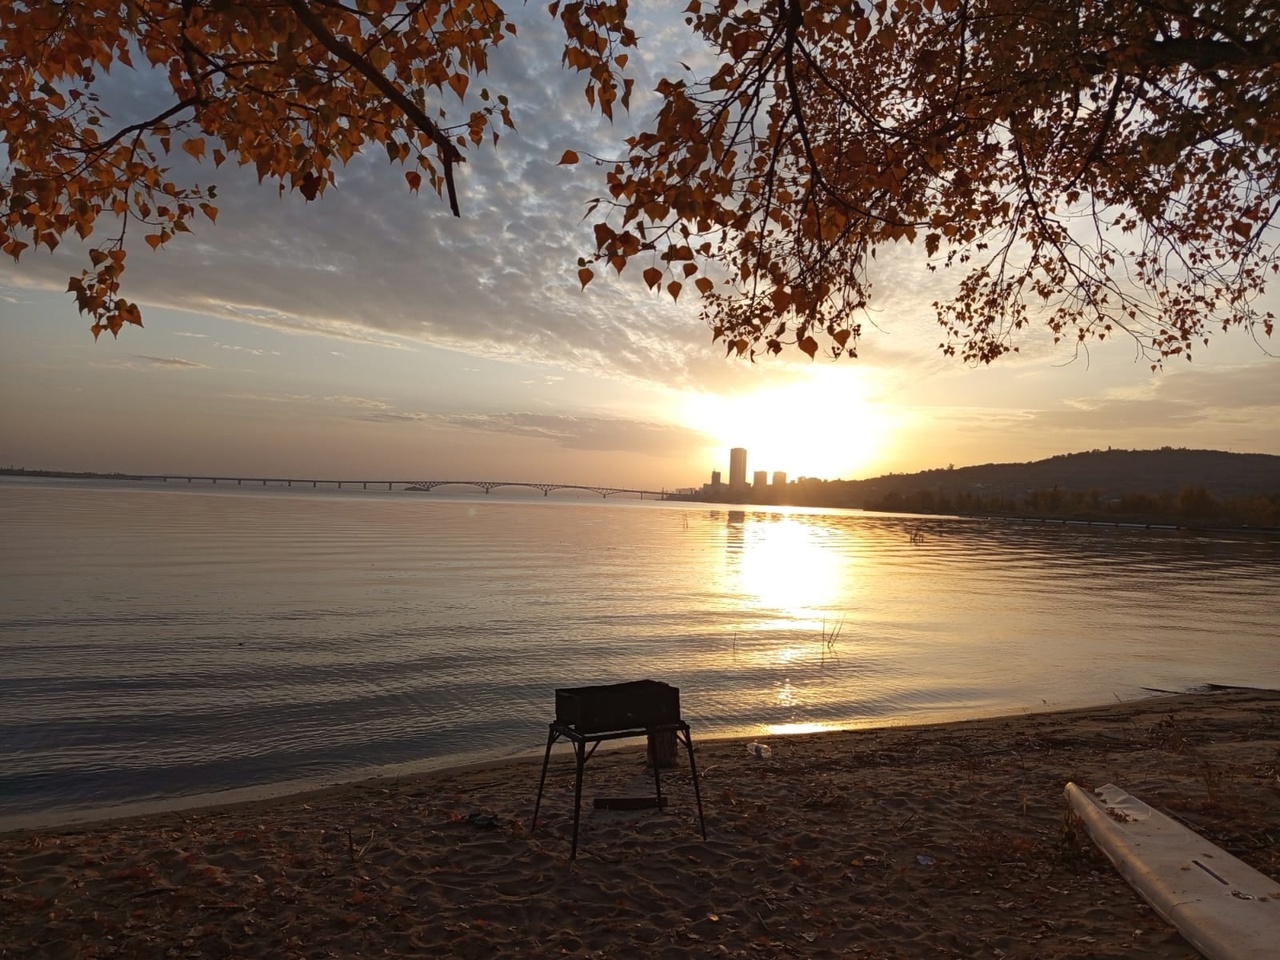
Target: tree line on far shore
<point x="1192" y="506"/>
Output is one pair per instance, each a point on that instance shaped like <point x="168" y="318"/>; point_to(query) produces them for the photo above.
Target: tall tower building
<point x="738" y="467"/>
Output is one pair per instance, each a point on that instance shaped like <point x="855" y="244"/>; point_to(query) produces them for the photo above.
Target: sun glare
<point x="787" y="567"/>
<point x="822" y="426"/>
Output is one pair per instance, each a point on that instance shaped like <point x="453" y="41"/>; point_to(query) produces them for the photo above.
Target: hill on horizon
<point x="1112" y="472"/>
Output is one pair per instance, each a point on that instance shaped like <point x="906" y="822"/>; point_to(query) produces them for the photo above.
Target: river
<point x="162" y="643"/>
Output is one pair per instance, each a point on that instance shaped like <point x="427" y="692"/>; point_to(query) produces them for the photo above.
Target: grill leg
<point x="580" y="750"/>
<point x="697" y="791"/>
<point x="657" y="783"/>
<point x="546" y="758"/>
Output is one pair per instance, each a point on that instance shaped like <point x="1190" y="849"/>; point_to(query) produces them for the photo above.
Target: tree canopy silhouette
<point x="1101" y="166"/>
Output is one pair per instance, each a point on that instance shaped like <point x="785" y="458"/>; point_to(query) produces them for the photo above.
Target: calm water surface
<point x="160" y="642"/>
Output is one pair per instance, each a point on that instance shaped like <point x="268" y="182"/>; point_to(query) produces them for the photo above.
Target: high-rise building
<point x="760" y="480"/>
<point x="779" y="478"/>
<point x="715" y="478"/>
<point x="738" y="467"/>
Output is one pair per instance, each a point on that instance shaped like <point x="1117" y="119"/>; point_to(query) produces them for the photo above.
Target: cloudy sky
<point x="371" y="335"/>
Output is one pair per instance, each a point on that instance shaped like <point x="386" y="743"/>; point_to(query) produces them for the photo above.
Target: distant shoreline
<point x="64" y="474"/>
<point x="1154" y="523"/>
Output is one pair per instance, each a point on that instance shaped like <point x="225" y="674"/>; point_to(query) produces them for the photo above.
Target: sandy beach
<point x="947" y="840"/>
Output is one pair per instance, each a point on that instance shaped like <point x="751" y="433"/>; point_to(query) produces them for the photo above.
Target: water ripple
<point x="162" y="643"/>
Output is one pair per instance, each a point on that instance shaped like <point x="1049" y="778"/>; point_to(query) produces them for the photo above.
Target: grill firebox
<point x="618" y="706"/>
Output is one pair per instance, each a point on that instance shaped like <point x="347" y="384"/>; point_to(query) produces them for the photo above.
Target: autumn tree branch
<point x="449" y="152"/>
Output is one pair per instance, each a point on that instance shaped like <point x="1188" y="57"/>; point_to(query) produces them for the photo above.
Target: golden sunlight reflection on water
<point x="789" y="567"/>
<point x="789" y="729"/>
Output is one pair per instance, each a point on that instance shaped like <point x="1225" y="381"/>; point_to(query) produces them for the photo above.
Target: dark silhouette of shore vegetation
<point x="1188" y="508"/>
<point x="1167" y="487"/>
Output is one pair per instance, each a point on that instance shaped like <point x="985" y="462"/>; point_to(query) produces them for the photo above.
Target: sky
<point x="371" y="335"/>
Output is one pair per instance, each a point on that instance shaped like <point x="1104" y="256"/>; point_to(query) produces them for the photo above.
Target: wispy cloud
<point x="399" y="416"/>
<point x="172" y="363"/>
<point x="1180" y="399"/>
<point x="358" y="402"/>
<point x="252" y="351"/>
<point x="586" y="433"/>
<point x="271" y="397"/>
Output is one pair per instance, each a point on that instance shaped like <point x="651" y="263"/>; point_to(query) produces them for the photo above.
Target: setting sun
<point x="824" y="425"/>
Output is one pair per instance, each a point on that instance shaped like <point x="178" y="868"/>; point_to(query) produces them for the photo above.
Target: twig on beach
<point x="352" y="852"/>
<point x="1212" y="775"/>
<point x="153" y="891"/>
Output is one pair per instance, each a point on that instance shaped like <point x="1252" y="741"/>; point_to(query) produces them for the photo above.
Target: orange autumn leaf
<point x="569" y="156"/>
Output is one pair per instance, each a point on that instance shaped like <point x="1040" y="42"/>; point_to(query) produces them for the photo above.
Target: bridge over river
<point x="421" y="486"/>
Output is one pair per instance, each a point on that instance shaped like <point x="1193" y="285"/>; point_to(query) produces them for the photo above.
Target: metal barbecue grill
<point x="588" y="716"/>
